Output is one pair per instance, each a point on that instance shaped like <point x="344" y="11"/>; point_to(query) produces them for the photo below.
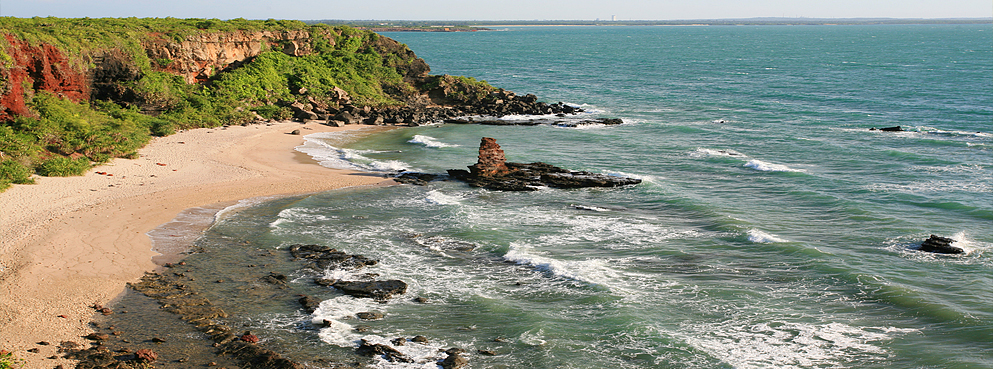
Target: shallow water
<point x="773" y="229"/>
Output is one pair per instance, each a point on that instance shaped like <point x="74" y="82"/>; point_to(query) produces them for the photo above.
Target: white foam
<point x="703" y="152"/>
<point x="757" y="236"/>
<point x="242" y="204"/>
<point x="791" y="344"/>
<point x="962" y="240"/>
<point x="438" y="198"/>
<point x="294" y="215"/>
<point x="334" y="312"/>
<point x="320" y="149"/>
<point x="590" y="208"/>
<point x="770" y="167"/>
<point x="592" y="271"/>
<point x="429" y="141"/>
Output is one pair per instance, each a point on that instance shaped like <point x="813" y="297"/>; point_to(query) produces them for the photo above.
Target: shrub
<point x="14" y="172"/>
<point x="9" y="361"/>
<point x="63" y="167"/>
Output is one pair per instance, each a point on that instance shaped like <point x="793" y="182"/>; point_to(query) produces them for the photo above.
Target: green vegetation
<point x="9" y="361"/>
<point x="144" y="97"/>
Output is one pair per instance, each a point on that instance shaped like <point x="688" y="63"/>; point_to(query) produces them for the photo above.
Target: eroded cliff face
<point x="199" y="57"/>
<point x="109" y="74"/>
<point x="36" y="68"/>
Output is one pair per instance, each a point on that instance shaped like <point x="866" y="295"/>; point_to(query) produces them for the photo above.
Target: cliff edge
<point x="74" y="92"/>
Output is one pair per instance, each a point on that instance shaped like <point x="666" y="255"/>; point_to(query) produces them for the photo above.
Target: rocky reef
<point x="493" y="171"/>
<point x="941" y="245"/>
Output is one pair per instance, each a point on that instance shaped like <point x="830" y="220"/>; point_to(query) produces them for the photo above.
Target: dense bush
<point x="60" y="166"/>
<point x="153" y="102"/>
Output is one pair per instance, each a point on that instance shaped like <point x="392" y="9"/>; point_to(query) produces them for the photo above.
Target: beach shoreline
<point x="69" y="243"/>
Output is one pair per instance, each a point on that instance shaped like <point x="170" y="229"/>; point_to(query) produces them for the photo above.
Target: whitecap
<point x="792" y="344"/>
<point x="436" y="197"/>
<point x="429" y="141"/>
<point x="770" y="167"/>
<point x="589" y="207"/>
<point x="703" y="152"/>
<point x="757" y="236"/>
<point x="591" y="271"/>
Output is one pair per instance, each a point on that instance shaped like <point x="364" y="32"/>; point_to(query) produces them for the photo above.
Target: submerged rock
<point x="941" y="245"/>
<point x="328" y="258"/>
<point x="380" y="290"/>
<point x="309" y="304"/>
<point x="367" y="348"/>
<point x="414" y="178"/>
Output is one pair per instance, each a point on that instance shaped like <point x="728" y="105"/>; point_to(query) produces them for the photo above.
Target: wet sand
<point x="69" y="243"/>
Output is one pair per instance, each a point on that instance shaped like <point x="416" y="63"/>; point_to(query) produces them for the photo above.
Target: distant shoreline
<point x="473" y="26"/>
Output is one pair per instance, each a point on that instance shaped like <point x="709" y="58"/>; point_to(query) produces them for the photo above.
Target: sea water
<point x="772" y="229"/>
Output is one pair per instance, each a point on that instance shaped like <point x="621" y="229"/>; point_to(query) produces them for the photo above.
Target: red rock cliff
<point x="36" y="68"/>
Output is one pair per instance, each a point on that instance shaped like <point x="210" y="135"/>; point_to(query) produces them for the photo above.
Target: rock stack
<point x="492" y="171"/>
<point x="491" y="161"/>
<point x="941" y="245"/>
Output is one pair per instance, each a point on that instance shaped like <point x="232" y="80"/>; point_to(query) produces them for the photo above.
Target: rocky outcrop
<point x="199" y="56"/>
<point x="379" y="290"/>
<point x="33" y="68"/>
<point x="941" y="245"/>
<point x="325" y="257"/>
<point x="492" y="171"/>
<point x="388" y="353"/>
<point x="491" y="160"/>
<point x="175" y="293"/>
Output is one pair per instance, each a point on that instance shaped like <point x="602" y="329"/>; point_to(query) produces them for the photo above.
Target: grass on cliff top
<point x="63" y="138"/>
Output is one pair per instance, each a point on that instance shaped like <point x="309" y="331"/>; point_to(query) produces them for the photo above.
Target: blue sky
<point x="499" y="10"/>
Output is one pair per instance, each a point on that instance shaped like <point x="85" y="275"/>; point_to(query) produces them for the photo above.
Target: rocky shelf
<point x="492" y="171"/>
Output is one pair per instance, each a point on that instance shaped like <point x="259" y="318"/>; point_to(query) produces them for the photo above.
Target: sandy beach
<point x="69" y="243"/>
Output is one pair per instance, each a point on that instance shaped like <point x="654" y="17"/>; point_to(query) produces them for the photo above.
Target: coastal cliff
<point x="75" y="92"/>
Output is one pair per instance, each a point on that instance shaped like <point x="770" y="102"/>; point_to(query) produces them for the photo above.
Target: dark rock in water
<point x="309" y="304"/>
<point x="414" y="178"/>
<point x="454" y="361"/>
<point x="941" y="245"/>
<point x="328" y="258"/>
<point x="585" y="179"/>
<point x="369" y="315"/>
<point x="390" y="354"/>
<point x="888" y="129"/>
<point x="419" y="339"/>
<point x="277" y="279"/>
<point x="380" y="290"/>
<point x="590" y="122"/>
<point x="492" y="171"/>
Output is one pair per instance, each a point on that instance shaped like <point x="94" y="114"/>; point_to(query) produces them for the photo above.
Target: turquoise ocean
<point x="772" y="229"/>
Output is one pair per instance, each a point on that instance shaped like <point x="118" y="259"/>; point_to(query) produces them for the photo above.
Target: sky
<point x="499" y="10"/>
